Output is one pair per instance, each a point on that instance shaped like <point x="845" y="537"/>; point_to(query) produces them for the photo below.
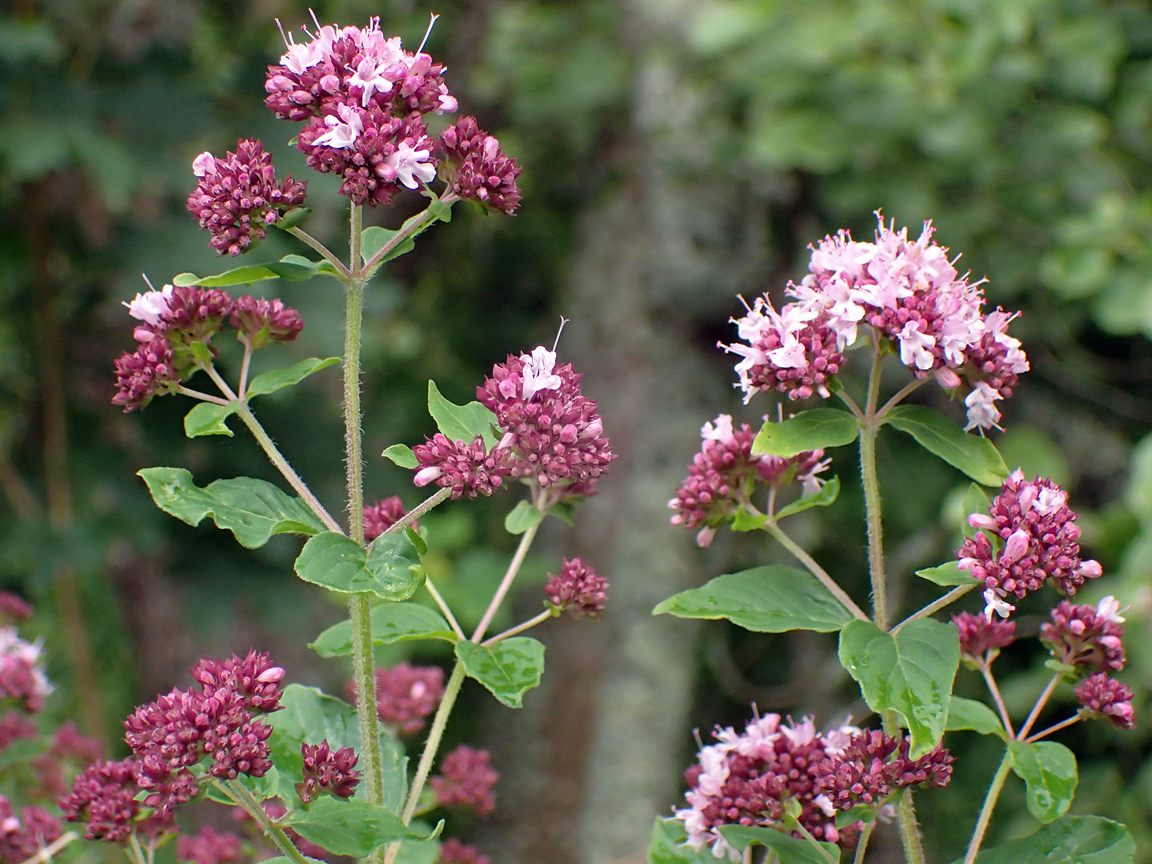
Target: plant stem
<point x="452" y="622"/>
<point x="936" y="605"/>
<point x="1039" y="706"/>
<point x="51" y="849"/>
<point x="418" y="224"/>
<point x="1063" y="724"/>
<point x="304" y="236"/>
<point x="520" y="628"/>
<point x="277" y="459"/>
<point x="203" y="397"/>
<point x="986" y="811"/>
<point x="824" y="853"/>
<point x="245" y="363"/>
<point x="862" y="843"/>
<point x="986" y="671"/>
<point x="871" y="485"/>
<point x="899" y="397"/>
<point x="909" y="829"/>
<point x="815" y="569"/>
<point x="236" y="790"/>
<point x="513" y="568"/>
<point x="418" y="511"/>
<point x="137" y="849"/>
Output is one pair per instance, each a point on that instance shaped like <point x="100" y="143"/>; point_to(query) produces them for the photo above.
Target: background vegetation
<point x="675" y="154"/>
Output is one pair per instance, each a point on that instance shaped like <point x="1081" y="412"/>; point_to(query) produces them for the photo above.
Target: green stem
<point x="862" y="843"/>
<point x="419" y="510"/>
<point x="899" y="397"/>
<point x="203" y="397"/>
<point x="410" y="229"/>
<point x="986" y="671"/>
<point x="807" y="835"/>
<point x="936" y="605"/>
<point x="815" y="569"/>
<point x="137" y="849"/>
<point x="1039" y="706"/>
<point x="986" y="811"/>
<point x="47" y="853"/>
<point x="521" y="627"/>
<point x="246" y="340"/>
<point x="452" y="622"/>
<point x="364" y="679"/>
<point x="871" y="485"/>
<point x="909" y="829"/>
<point x="235" y="790"/>
<point x="513" y="568"/>
<point x="277" y="459"/>
<point x="1063" y="724"/>
<point x="304" y="236"/>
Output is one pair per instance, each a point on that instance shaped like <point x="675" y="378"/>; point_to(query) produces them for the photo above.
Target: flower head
<point x="22" y="677"/>
<point x="980" y="634"/>
<point x="328" y="771"/>
<point x="1085" y="635"/>
<point x="578" y="589"/>
<point x="452" y="851"/>
<point x="467" y="469"/>
<point x="21" y="837"/>
<point x="1101" y="696"/>
<point x="209" y="846"/>
<point x="405" y="695"/>
<point x="382" y="515"/>
<point x="477" y="169"/>
<point x="262" y="321"/>
<point x="466" y="779"/>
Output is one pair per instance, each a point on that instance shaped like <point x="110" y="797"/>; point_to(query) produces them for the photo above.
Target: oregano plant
<point x="802" y="790"/>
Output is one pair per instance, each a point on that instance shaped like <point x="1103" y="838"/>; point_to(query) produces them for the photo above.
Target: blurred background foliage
<point x="675" y="154"/>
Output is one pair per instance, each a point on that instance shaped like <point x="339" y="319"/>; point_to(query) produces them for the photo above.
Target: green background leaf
<point x="1068" y="840"/>
<point x="347" y="827"/>
<point x="402" y="455"/>
<point x="666" y="848"/>
<point x="508" y="669"/>
<point x="789" y="849"/>
<point x="207" y="418"/>
<point x="910" y="671"/>
<point x="808" y="430"/>
<point x="948" y="574"/>
<point x="391" y="622"/>
<point x="522" y="517"/>
<point x="975" y="716"/>
<point x="461" y="422"/>
<point x="1049" y="770"/>
<point x="771" y="599"/>
<point x="828" y="494"/>
<point x="277" y="379"/>
<point x="975" y="456"/>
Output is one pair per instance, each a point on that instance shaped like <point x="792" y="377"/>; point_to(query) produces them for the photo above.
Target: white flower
<point x="412" y="166"/>
<point x="721" y="432"/>
<point x="915" y="347"/>
<point x="996" y="603"/>
<point x="342" y="130"/>
<point x="150" y="306"/>
<point x="981" y="411"/>
<point x="1109" y="609"/>
<point x="204" y="164"/>
<point x="537" y="372"/>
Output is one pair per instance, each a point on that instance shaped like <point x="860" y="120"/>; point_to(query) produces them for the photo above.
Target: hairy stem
<point x="1039" y="706"/>
<point x="304" y="236"/>
<point x="986" y="671"/>
<point x="521" y="627"/>
<point x="815" y="569"/>
<point x="1063" y="724"/>
<point x="418" y="511"/>
<point x="862" y="843"/>
<point x="420" y="223"/>
<point x="236" y="790"/>
<point x="986" y="811"/>
<point x="506" y="583"/>
<point x="871" y="485"/>
<point x="449" y="617"/>
<point x="909" y="829"/>
<point x="936" y="605"/>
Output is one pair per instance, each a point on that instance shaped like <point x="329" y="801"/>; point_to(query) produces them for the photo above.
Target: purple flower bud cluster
<point x="328" y="771"/>
<point x="209" y="846"/>
<point x="476" y="169"/>
<point x="724" y="474"/>
<point x="1039" y="536"/>
<point x="217" y="725"/>
<point x="467" y="469"/>
<point x="14" y="608"/>
<point x="452" y="851"/>
<point x="22" y="677"/>
<point x="553" y="436"/>
<point x="177" y="325"/>
<point x="405" y="695"/>
<point x="1101" y="696"/>
<point x="363" y="99"/>
<point x="382" y="515"/>
<point x="466" y="779"/>
<point x="1085" y="635"/>
<point x="23" y="836"/>
<point x="757" y="776"/>
<point x="69" y="751"/>
<point x="14" y="726"/>
<point x="910" y="294"/>
<point x="578" y="588"/>
<point x="238" y="195"/>
<point x="980" y="634"/>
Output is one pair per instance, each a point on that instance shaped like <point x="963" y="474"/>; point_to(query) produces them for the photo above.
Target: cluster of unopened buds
<point x="174" y="338"/>
<point x="912" y="297"/>
<point x="725" y="474"/>
<point x="552" y="437"/>
<point x="792" y="777"/>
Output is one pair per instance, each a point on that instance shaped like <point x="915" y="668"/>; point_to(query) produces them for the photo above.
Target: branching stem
<point x="986" y="811"/>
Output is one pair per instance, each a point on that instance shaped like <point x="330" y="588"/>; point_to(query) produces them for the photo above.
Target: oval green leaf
<point x="292" y="218"/>
<point x="389" y="568"/>
<point x="402" y="455"/>
<point x="391" y="622"/>
<point x="1068" y="840"/>
<point x="948" y="574"/>
<point x="808" y="430"/>
<point x="910" y="671"/>
<point x="771" y="599"/>
<point x="508" y="669"/>
<point x="1049" y="770"/>
<point x="251" y="509"/>
<point x="972" y="454"/>
<point x="827" y="494"/>
<point x="349" y="827"/>
<point x="522" y="517"/>
<point x="278" y="379"/>
<point x="788" y="849"/>
<point x="207" y="418"/>
<point x="975" y="716"/>
<point x="461" y="422"/>
<point x="238" y="276"/>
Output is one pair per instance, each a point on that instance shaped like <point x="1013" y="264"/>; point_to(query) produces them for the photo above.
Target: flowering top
<point x="328" y="771"/>
<point x="22" y="677"/>
<point x="21" y="837"/>
<point x="209" y="846"/>
<point x="910" y="294"/>
<point x="1101" y="696"/>
<point x="477" y="169"/>
<point x="756" y="777"/>
<point x="1086" y="636"/>
<point x="382" y="515"/>
<point x="724" y="475"/>
<point x="1035" y="540"/>
<point x="238" y="195"/>
<point x="578" y="588"/>
<point x="980" y="634"/>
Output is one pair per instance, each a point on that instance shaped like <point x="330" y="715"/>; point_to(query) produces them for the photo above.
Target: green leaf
<point x="284" y="859"/>
<point x="309" y="716"/>
<point x="508" y="669"/>
<point x="461" y="422"/>
<point x="292" y="218"/>
<point x="391" y="622"/>
<point x="976" y="716"/>
<point x="238" y="276"/>
<point x="666" y="848"/>
<point x="207" y="418"/>
<point x="745" y="521"/>
<point x="348" y="827"/>
<point x="910" y="671"/>
<point x="389" y="568"/>
<point x="402" y="455"/>
<point x="772" y="599"/>
<point x="522" y="517"/>
<point x="1069" y="840"/>
<point x="826" y="495"/>
<point x="373" y="239"/>
<point x="1049" y="770"/>
<point x="251" y="509"/>
<point x="860" y="813"/>
<point x="808" y="430"/>
<point x="948" y="573"/>
<point x="295" y="268"/>
<point x="278" y="379"/>
<point x="788" y="849"/>
<point x="975" y="501"/>
<point x="973" y="455"/>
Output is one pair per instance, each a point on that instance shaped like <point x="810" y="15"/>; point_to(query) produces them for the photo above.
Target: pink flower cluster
<point x="328" y="771"/>
<point x="578" y="588"/>
<point x="1101" y="696"/>
<point x="756" y="776"/>
<point x="23" y="835"/>
<point x="217" y="726"/>
<point x="1089" y="638"/>
<point x="22" y="677"/>
<point x="406" y="694"/>
<point x="552" y="436"/>
<point x="382" y="515"/>
<point x="452" y="851"/>
<point x="209" y="846"/>
<point x="980" y="634"/>
<point x="466" y="779"/>
<point x="910" y="294"/>
<point x="238" y="195"/>
<point x="178" y="325"/>
<point x="363" y="99"/>
<point x="1034" y="540"/>
<point x="724" y="475"/>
